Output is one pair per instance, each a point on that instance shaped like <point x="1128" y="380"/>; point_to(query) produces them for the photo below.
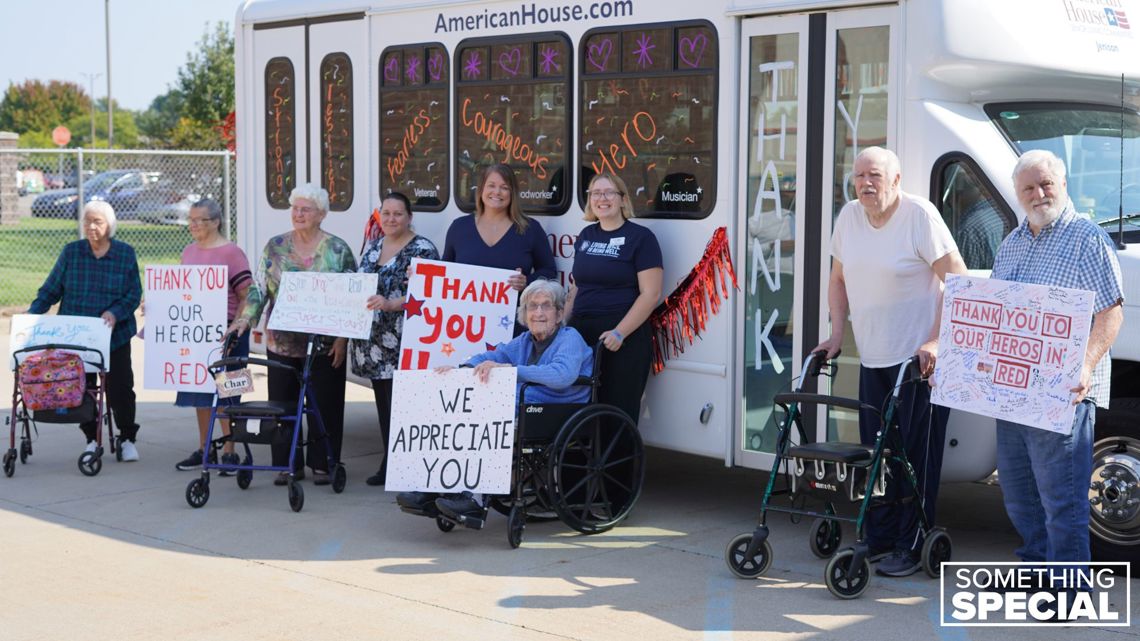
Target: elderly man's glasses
<point x="544" y="306"/>
<point x="608" y="194"/>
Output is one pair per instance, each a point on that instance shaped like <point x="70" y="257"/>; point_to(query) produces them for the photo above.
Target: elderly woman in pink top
<point x="210" y="247"/>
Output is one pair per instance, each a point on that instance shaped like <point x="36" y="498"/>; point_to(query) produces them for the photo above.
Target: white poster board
<point x="331" y="304"/>
<point x="185" y="325"/>
<point x="454" y="312"/>
<point x="451" y="433"/>
<point x="1012" y="350"/>
<point x="30" y="330"/>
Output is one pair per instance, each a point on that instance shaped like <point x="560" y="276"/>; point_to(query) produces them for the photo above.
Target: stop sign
<point x="61" y="135"/>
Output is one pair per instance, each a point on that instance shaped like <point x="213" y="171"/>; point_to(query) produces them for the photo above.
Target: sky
<point x="64" y="39"/>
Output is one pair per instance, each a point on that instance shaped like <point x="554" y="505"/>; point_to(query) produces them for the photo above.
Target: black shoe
<point x="376" y="479"/>
<point x="899" y="563"/>
<point x="229" y="459"/>
<point x="194" y="461"/>
<point x="416" y="500"/>
<point x="459" y="506"/>
<point x="321" y="477"/>
<point x="283" y="477"/>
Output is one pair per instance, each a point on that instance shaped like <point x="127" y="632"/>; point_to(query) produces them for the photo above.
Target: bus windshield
<point x="1088" y="138"/>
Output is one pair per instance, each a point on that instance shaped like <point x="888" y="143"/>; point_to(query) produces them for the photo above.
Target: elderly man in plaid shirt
<point x="1045" y="475"/>
<point x="99" y="277"/>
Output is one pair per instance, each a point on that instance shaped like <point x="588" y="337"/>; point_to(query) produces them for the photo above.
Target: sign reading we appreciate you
<point x="185" y="325"/>
<point x="1012" y="350"/>
<point x="450" y="432"/>
<point x="454" y="312"/>
<point x="331" y="304"/>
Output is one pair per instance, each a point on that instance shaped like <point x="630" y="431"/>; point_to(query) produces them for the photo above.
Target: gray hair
<point x="211" y="206"/>
<point x="309" y="191"/>
<point x="1039" y="157"/>
<point x="104" y="209"/>
<point x="889" y="158"/>
<point x="542" y="287"/>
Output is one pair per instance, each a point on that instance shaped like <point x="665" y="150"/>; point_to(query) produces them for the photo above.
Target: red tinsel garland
<point x="685" y="312"/>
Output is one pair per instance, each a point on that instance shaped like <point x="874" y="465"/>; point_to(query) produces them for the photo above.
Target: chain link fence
<point x="42" y="192"/>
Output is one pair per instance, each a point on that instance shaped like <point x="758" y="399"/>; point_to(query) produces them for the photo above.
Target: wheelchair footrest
<point x="430" y="511"/>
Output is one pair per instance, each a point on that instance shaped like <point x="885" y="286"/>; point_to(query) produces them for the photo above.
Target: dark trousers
<point x="326" y="384"/>
<point x="624" y="372"/>
<point x="922" y="427"/>
<point x="382" y="390"/>
<point x="119" y="396"/>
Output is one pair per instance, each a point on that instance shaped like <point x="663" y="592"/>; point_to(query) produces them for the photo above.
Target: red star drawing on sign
<point x="447" y="349"/>
<point x="490" y="347"/>
<point x="413" y="307"/>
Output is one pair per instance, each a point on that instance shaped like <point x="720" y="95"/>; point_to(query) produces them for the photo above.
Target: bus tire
<point x="1114" y="526"/>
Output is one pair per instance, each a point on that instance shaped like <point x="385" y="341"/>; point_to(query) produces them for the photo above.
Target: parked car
<point x="130" y="191"/>
<point x="66" y="179"/>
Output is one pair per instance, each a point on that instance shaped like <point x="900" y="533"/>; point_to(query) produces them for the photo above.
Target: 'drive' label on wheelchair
<point x="450" y="432"/>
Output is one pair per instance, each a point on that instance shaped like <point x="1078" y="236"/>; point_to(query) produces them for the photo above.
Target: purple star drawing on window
<point x="413" y="69"/>
<point x="644" y="47"/>
<point x="473" y="68"/>
<point x="549" y="64"/>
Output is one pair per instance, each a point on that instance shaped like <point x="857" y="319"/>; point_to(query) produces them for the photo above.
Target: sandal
<point x="321" y="477"/>
<point x="283" y="478"/>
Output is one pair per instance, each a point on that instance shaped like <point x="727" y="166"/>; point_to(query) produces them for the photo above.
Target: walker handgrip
<point x="819" y="359"/>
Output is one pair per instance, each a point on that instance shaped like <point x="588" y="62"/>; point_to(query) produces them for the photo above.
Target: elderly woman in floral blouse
<point x="389" y="256"/>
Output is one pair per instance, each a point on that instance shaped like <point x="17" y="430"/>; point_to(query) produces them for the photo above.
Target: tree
<point x="158" y="121"/>
<point x="204" y="95"/>
<point x="126" y="129"/>
<point x="37" y="107"/>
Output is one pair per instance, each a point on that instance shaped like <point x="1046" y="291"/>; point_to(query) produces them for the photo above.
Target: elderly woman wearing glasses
<point x="306" y="248"/>
<point x="548" y="355"/>
<point x="617" y="284"/>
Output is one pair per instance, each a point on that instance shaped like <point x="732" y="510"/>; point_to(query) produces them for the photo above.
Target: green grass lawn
<point x="29" y="248"/>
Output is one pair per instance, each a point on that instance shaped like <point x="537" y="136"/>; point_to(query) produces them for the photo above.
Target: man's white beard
<point x="1042" y="217"/>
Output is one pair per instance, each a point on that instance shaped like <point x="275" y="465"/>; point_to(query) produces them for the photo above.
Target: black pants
<point x="326" y="383"/>
<point x="119" y="395"/>
<point x="382" y="390"/>
<point x="922" y="427"/>
<point x="624" y="372"/>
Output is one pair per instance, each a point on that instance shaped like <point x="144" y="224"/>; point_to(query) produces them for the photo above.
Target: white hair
<point x="104" y="209"/>
<point x="542" y="287"/>
<point x="889" y="159"/>
<point x="309" y="191"/>
<point x="1037" y="158"/>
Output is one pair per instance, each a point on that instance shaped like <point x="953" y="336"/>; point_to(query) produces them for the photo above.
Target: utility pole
<point x="91" y="78"/>
<point x="110" y="107"/>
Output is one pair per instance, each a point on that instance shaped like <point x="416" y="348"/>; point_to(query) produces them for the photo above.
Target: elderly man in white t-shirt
<point x="891" y="252"/>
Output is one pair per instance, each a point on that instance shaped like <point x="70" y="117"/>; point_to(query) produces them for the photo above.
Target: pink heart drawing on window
<point x="510" y="61"/>
<point x="599" y="54"/>
<point x="392" y="69"/>
<point x="435" y="66"/>
<point x="692" y="49"/>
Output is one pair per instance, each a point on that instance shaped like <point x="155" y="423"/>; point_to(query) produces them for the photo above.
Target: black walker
<point x="833" y="470"/>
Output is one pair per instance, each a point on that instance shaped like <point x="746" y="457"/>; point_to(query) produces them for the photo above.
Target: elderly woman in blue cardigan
<point x="548" y="355"/>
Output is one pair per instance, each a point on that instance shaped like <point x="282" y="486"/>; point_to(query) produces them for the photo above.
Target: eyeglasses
<point x="305" y="210"/>
<point x="197" y="221"/>
<point x="608" y="194"/>
<point x="545" y="306"/>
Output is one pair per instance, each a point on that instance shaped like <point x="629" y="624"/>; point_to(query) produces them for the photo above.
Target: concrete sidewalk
<point x="121" y="556"/>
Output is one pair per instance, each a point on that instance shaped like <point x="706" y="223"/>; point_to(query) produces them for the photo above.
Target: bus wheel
<point x="1114" y="489"/>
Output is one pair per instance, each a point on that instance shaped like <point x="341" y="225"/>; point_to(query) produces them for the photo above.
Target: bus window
<point x="862" y="61"/>
<point x="336" y="130"/>
<point x="414" y="153"/>
<point x="971" y="211"/>
<point x="280" y="132"/>
<point x="648" y="114"/>
<point x="512" y="106"/>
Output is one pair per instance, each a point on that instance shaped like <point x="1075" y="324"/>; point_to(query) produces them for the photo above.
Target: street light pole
<point x="91" y="78"/>
<point x="110" y="107"/>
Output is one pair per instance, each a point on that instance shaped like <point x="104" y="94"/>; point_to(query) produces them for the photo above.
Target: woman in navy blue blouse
<point x="499" y="234"/>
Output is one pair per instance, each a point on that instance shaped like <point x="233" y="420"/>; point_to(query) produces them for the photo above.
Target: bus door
<point x="813" y="92"/>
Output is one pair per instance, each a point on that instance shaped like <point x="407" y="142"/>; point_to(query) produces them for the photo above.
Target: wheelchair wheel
<point x="90" y="463"/>
<point x="198" y="492"/>
<point x="516" y="525"/>
<point x="936" y="550"/>
<point x="825" y="537"/>
<point x="296" y="496"/>
<point x="10" y="462"/>
<point x="735" y="555"/>
<point x="595" y="468"/>
<point x="535" y="495"/>
<point x="837" y="579"/>
<point x="444" y="525"/>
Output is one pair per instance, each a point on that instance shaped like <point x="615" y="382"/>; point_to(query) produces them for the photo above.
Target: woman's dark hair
<point x="396" y="195"/>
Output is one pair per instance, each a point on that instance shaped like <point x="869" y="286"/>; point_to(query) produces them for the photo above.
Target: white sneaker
<point x="91" y="445"/>
<point x="130" y="452"/>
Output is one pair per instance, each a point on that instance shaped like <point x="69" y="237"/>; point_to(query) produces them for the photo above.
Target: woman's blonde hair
<point x="619" y="185"/>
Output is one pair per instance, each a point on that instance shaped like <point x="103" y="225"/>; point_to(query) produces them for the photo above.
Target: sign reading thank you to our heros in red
<point x="185" y="325"/>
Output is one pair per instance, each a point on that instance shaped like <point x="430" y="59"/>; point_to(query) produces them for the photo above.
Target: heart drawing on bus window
<point x="692" y="49"/>
<point x="392" y="69"/>
<point x="435" y="66"/>
<point x="599" y="54"/>
<point x="510" y="61"/>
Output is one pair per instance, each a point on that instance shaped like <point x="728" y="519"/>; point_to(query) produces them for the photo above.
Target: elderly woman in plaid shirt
<point x="99" y="277"/>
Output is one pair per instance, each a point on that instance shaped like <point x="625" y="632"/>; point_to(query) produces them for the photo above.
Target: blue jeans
<point x="1044" y="480"/>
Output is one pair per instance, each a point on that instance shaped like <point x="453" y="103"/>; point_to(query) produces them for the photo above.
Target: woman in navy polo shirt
<point x="617" y="284"/>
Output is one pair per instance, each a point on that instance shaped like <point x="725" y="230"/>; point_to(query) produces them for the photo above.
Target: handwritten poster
<point x="325" y="303"/>
<point x="451" y="433"/>
<point x="29" y="330"/>
<point x="185" y="325"/>
<point x="1012" y="350"/>
<point x="453" y="312"/>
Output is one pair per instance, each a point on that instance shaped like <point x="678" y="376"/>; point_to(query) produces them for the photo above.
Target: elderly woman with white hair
<point x="307" y="248"/>
<point x="549" y="356"/>
<point x="99" y="277"/>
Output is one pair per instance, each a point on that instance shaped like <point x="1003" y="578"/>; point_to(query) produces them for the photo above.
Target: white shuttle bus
<point x="736" y="114"/>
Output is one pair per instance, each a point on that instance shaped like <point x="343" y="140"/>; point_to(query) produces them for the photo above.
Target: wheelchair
<point x="834" y="471"/>
<point x="582" y="464"/>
